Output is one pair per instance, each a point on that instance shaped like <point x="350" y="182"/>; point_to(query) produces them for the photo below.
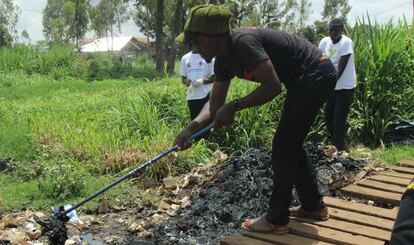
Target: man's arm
<point x="208" y="113"/>
<point x="343" y="61"/>
<point x="185" y="81"/>
<point x="209" y="80"/>
<point x="269" y="88"/>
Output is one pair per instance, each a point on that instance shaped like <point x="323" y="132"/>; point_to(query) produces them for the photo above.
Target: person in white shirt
<point x="338" y="48"/>
<point x="197" y="75"/>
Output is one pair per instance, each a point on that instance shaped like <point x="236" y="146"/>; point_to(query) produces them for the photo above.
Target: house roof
<point x="115" y="44"/>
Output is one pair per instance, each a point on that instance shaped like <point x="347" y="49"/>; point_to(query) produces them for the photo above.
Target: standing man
<point x="269" y="58"/>
<point x="197" y="75"/>
<point x="338" y="48"/>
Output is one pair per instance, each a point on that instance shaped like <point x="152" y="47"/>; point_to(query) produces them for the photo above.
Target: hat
<point x="206" y="19"/>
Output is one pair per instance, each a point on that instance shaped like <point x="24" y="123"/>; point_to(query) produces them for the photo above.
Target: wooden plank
<point x="406" y="163"/>
<point x="242" y="240"/>
<point x="396" y="174"/>
<point x="378" y="185"/>
<point x="355" y="229"/>
<point x="371" y="194"/>
<point x="361" y="208"/>
<point x="283" y="239"/>
<point x="361" y="219"/>
<point x="329" y="235"/>
<point x="404" y="170"/>
<point x="391" y="180"/>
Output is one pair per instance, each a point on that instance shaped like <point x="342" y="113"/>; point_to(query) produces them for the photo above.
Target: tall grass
<point x="59" y="112"/>
<point x="58" y="61"/>
<point x="62" y="62"/>
<point x="384" y="57"/>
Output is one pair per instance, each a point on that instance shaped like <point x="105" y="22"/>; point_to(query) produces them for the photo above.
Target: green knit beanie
<point x="210" y="20"/>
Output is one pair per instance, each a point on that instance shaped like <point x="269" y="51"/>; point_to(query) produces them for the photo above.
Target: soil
<point x="201" y="207"/>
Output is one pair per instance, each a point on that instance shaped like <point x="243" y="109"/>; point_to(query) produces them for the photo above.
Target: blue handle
<point x="201" y="132"/>
<point x="134" y="171"/>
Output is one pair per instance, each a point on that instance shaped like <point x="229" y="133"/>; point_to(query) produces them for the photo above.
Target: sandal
<point x="319" y="215"/>
<point x="253" y="226"/>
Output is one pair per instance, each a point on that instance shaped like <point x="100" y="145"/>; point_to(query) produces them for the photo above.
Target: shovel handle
<point x="134" y="171"/>
<point x="201" y="132"/>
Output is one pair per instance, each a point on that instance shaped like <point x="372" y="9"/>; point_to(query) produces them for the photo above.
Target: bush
<point x="107" y="66"/>
<point x="62" y="181"/>
<point x="100" y="66"/>
<point x="58" y="61"/>
<point x="27" y="170"/>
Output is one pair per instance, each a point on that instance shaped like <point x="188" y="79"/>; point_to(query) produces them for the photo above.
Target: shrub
<point x="62" y="181"/>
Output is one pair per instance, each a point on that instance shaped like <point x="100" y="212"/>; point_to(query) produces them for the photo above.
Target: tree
<point x="177" y="26"/>
<point x="336" y="9"/>
<point x="57" y="18"/>
<point x="107" y="15"/>
<point x="25" y="36"/>
<point x="241" y="10"/>
<point x="309" y="33"/>
<point x="272" y="14"/>
<point x="321" y="29"/>
<point x="304" y="10"/>
<point x="100" y="22"/>
<point x="79" y="26"/>
<point x="120" y="13"/>
<point x="159" y="36"/>
<point x="144" y="16"/>
<point x="9" y="14"/>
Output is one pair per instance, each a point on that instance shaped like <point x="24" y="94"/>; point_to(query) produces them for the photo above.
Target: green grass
<point x="17" y="194"/>
<point x="396" y="153"/>
<point x="97" y="127"/>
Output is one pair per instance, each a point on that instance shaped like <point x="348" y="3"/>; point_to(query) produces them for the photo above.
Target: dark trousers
<point x="336" y="114"/>
<point x="290" y="162"/>
<point x="195" y="107"/>
<point x="403" y="231"/>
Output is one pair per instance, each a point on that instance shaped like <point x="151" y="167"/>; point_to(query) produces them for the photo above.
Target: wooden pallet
<point x="386" y="187"/>
<point x="350" y="222"/>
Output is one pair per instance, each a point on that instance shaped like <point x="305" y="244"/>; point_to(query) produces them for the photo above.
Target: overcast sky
<point x="30" y="18"/>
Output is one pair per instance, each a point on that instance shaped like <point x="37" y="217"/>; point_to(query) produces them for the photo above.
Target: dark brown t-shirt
<point x="250" y="46"/>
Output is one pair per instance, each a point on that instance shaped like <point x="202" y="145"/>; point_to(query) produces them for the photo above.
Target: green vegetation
<point x="384" y="57"/>
<point x="396" y="153"/>
<point x="73" y="123"/>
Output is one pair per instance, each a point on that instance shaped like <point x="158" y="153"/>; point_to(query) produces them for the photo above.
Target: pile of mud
<point x="242" y="189"/>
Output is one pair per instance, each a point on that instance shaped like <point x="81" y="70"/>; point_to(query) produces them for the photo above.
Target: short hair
<point x="337" y="22"/>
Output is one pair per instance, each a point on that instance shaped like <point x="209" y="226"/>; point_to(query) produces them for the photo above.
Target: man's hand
<point x="185" y="81"/>
<point x="198" y="82"/>
<point x="181" y="139"/>
<point x="225" y="115"/>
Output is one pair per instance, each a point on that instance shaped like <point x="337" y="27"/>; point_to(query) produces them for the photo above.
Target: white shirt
<point x="334" y="52"/>
<point x="194" y="67"/>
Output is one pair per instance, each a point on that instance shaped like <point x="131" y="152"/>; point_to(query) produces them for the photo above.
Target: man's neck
<point x="337" y="40"/>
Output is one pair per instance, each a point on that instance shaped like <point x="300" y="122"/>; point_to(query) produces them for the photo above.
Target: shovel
<point x="54" y="227"/>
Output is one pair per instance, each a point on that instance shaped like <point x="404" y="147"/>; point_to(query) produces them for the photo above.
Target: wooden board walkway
<point x="350" y="222"/>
